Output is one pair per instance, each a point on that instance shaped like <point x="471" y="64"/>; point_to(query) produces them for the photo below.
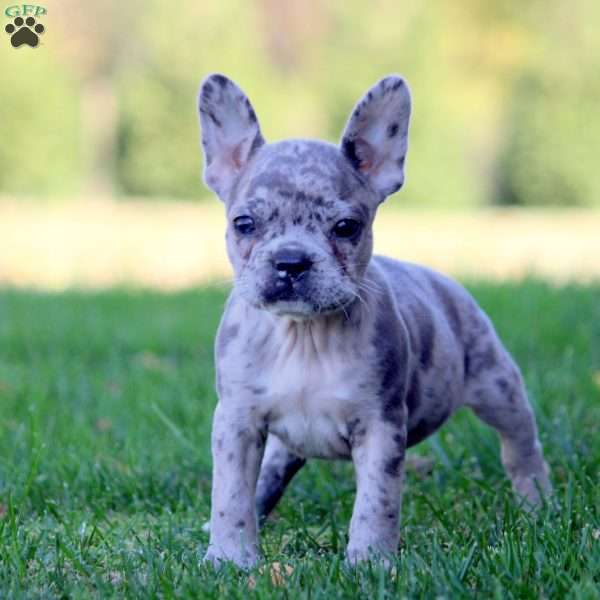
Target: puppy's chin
<point x="297" y="310"/>
<point x="302" y="310"/>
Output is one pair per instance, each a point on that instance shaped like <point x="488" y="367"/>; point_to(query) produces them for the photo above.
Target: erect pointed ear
<point x="376" y="137"/>
<point x="230" y="132"/>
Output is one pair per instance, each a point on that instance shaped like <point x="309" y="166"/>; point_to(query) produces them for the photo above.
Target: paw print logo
<point x="24" y="31"/>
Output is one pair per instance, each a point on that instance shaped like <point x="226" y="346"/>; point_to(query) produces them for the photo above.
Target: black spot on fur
<point x="413" y="395"/>
<point x="506" y="389"/>
<point x="392" y="130"/>
<point x="398" y="83"/>
<point x="392" y="357"/>
<point x="399" y="439"/>
<point x="272" y="180"/>
<point x="251" y="113"/>
<point x="220" y="79"/>
<point x="424" y="428"/>
<point x="389" y="361"/>
<point x="426" y="335"/>
<point x="390" y="376"/>
<point x="393" y="188"/>
<point x="392" y="465"/>
<point x="308" y="199"/>
<point x="466" y="365"/>
<point x="480" y="360"/>
<point x="257" y="142"/>
<point x="230" y="457"/>
<point x="349" y="150"/>
<point x="400" y="162"/>
<point x="214" y="119"/>
<point x="211" y="116"/>
<point x="352" y="425"/>
<point x="207" y="90"/>
<point x="241" y="523"/>
<point x="502" y="384"/>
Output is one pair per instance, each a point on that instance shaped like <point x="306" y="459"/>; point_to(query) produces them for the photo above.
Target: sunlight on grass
<point x="176" y="245"/>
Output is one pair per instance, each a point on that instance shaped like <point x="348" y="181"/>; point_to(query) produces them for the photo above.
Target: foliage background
<point x="505" y="92"/>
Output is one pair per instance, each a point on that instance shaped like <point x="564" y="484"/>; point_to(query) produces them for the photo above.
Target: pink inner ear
<point x="237" y="155"/>
<point x="365" y="154"/>
<point x="236" y="158"/>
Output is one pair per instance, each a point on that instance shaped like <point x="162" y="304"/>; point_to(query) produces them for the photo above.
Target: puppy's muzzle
<point x="290" y="269"/>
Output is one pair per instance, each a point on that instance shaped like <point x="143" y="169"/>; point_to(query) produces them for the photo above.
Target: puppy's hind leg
<point x="278" y="468"/>
<point x="497" y="396"/>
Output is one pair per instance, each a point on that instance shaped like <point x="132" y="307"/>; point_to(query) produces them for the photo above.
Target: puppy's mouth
<point x="285" y="296"/>
<point x="293" y="299"/>
<point x="285" y="289"/>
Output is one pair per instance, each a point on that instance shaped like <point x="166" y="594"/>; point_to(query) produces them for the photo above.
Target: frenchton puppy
<point x="325" y="350"/>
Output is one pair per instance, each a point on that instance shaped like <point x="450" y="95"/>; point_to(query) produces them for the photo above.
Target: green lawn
<point x="105" y="406"/>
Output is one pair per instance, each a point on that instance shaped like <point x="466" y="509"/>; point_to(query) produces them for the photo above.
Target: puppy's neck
<point x="318" y="338"/>
<point x="315" y="331"/>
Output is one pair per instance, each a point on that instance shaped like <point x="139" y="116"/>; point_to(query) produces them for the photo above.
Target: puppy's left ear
<point x="230" y="132"/>
<point x="375" y="140"/>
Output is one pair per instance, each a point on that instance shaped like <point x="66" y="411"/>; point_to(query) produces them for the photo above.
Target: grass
<point x="105" y="407"/>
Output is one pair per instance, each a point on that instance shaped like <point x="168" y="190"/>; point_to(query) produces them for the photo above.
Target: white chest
<point x="309" y="397"/>
<point x="310" y="415"/>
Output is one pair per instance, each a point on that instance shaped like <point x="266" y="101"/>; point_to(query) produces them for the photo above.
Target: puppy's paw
<point x="533" y="490"/>
<point x="241" y="558"/>
<point x="356" y="555"/>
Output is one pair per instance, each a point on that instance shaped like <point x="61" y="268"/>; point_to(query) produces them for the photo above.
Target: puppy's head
<point x="300" y="212"/>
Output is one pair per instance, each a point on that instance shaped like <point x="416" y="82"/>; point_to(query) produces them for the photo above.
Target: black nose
<point x="291" y="262"/>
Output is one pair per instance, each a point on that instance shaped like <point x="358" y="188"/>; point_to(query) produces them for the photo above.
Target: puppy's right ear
<point x="230" y="132"/>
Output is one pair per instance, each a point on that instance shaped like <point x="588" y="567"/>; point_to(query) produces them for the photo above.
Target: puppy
<point x="325" y="350"/>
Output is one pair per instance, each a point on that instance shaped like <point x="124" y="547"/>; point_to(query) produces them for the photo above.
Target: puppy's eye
<point x="244" y="225"/>
<point x="346" y="228"/>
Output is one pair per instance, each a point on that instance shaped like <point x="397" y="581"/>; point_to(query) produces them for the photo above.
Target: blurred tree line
<point x="505" y="93"/>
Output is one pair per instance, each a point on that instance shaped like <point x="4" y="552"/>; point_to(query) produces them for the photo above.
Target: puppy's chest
<point x="309" y="400"/>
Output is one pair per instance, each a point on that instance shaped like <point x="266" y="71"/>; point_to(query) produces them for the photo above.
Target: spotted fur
<point x="325" y="351"/>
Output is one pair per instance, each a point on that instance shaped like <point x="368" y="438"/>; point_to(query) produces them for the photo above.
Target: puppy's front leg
<point x="379" y="463"/>
<point x="237" y="449"/>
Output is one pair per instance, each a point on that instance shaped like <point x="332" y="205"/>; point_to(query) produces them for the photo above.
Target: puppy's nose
<point x="291" y="262"/>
